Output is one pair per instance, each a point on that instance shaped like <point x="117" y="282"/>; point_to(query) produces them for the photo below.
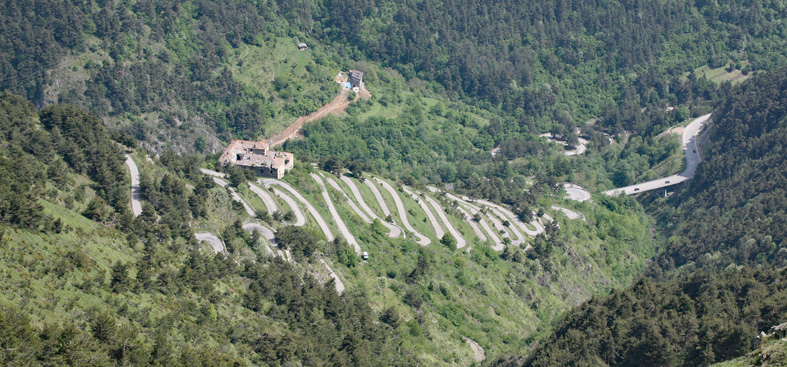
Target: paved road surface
<point x="364" y="217"/>
<point x="422" y="240"/>
<point x="460" y="241"/>
<point x="336" y="218"/>
<point x="266" y="197"/>
<point x="321" y="222"/>
<point x="693" y="159"/>
<point x="569" y="213"/>
<point x="576" y="192"/>
<point x="438" y="231"/>
<point x="581" y="148"/>
<point x="337" y="281"/>
<point x="211" y="172"/>
<point x="266" y="232"/>
<point x="497" y="244"/>
<point x="514" y="219"/>
<point x="136" y="192"/>
<point x="214" y="241"/>
<point x="379" y="197"/>
<point x="478" y="351"/>
<point x="469" y="219"/>
<point x="393" y="231"/>
<point x="300" y="218"/>
<point x="235" y="196"/>
<point x="512" y="229"/>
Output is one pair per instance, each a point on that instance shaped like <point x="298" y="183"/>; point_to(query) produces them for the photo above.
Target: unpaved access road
<point x="337" y="105"/>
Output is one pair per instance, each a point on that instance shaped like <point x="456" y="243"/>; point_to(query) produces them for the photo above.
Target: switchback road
<point x="693" y="159"/>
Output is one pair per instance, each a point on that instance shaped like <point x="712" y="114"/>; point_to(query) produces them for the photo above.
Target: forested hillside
<point x="722" y="270"/>
<point x="196" y="68"/>
<point x="482" y="99"/>
<point x="86" y="284"/>
<point x="78" y="265"/>
<point x="557" y="59"/>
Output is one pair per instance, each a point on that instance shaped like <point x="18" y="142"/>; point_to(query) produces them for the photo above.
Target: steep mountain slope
<point x="730" y="241"/>
<point x="77" y="260"/>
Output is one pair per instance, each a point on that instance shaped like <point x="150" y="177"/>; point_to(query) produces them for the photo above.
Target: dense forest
<point x="461" y="91"/>
<point x="138" y="290"/>
<point x="540" y="63"/>
<point x="719" y="280"/>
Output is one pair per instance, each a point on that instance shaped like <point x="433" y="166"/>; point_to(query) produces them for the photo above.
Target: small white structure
<point x="365" y="255"/>
<point x="302" y="46"/>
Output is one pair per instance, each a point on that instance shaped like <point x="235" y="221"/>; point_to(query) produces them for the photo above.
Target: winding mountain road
<point x="215" y="242"/>
<point x="393" y="231"/>
<point x="211" y="172"/>
<point x="569" y="213"/>
<point x="438" y="231"/>
<point x="693" y="159"/>
<point x="422" y="240"/>
<point x="493" y="236"/>
<point x="364" y="217"/>
<point x="236" y="197"/>
<point x="460" y="241"/>
<point x="469" y="219"/>
<point x="576" y="192"/>
<point x="300" y="218"/>
<point x="266" y="232"/>
<point x="337" y="281"/>
<point x="313" y="211"/>
<point x="136" y="191"/>
<point x="379" y="197"/>
<point x="580" y="148"/>
<point x="336" y="218"/>
<point x="265" y="196"/>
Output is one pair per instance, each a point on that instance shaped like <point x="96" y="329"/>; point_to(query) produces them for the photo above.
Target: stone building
<point x="256" y="156"/>
<point x="356" y="78"/>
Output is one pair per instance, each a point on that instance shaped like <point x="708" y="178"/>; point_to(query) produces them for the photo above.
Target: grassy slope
<point x="500" y="304"/>
<point x="772" y="353"/>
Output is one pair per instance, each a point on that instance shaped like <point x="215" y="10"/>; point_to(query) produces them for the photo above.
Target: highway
<point x="693" y="159"/>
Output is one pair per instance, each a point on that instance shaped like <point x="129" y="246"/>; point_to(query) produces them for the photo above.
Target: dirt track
<point x="337" y="105"/>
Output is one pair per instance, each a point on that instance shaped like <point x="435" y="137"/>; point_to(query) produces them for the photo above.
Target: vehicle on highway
<point x="694" y="150"/>
<point x="636" y="189"/>
<point x="667" y="182"/>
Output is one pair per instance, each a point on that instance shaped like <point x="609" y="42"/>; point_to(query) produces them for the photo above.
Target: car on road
<point x="694" y="150"/>
<point x="636" y="189"/>
<point x="667" y="182"/>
